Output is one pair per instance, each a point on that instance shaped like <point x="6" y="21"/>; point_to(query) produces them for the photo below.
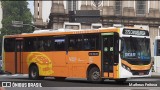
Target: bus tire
<point x="60" y="78"/>
<point x="123" y="80"/>
<point x="34" y="73"/>
<point x="94" y="75"/>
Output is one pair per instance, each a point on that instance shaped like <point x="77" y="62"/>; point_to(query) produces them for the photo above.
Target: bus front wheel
<point x="34" y="73"/>
<point x="94" y="75"/>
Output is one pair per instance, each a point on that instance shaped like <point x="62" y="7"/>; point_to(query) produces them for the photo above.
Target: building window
<point x="141" y="7"/>
<point x="69" y="5"/>
<point x="118" y="7"/>
<point x="72" y="5"/>
<point x="97" y="3"/>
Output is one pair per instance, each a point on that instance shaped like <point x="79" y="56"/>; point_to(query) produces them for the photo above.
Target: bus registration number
<point x="141" y="73"/>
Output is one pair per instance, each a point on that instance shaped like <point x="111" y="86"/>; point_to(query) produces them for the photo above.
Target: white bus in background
<point x="157" y="54"/>
<point x="73" y="26"/>
<point x="96" y="25"/>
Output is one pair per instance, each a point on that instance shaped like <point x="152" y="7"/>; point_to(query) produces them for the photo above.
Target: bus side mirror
<point x="122" y="45"/>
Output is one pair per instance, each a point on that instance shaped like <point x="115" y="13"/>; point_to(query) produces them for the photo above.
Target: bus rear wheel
<point x="94" y="75"/>
<point x="34" y="73"/>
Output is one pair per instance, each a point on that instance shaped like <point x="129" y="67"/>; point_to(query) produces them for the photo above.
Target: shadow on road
<point x="73" y="82"/>
<point x="108" y="82"/>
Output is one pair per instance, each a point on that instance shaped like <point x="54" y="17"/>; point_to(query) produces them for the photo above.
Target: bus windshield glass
<point x="136" y="50"/>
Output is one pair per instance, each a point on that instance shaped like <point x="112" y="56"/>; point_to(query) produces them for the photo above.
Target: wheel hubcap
<point x="96" y="75"/>
<point x="33" y="73"/>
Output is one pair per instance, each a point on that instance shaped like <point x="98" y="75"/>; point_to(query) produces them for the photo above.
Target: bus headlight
<point x="123" y="66"/>
<point x="126" y="67"/>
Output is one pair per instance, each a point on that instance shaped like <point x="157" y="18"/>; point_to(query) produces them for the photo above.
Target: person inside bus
<point x="87" y="45"/>
<point x="41" y="44"/>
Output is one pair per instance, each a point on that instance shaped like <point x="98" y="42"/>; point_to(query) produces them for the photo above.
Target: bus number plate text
<point x="93" y="53"/>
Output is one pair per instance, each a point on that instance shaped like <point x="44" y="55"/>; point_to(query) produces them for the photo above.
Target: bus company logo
<point x="21" y="84"/>
<point x="6" y="84"/>
<point x="43" y="61"/>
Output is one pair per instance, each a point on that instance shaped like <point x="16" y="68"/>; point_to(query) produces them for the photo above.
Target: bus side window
<point x="30" y="44"/>
<point x="9" y="44"/>
<point x="45" y="43"/>
<point x="59" y="43"/>
<point x="40" y="44"/>
<point x="91" y="42"/>
<point x="158" y="47"/>
<point x="75" y="42"/>
<point x="116" y="48"/>
<point x="48" y="45"/>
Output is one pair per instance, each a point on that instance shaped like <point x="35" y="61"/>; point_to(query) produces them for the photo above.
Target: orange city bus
<point x="98" y="54"/>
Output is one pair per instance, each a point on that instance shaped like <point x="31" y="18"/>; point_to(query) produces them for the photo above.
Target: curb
<point x="2" y="73"/>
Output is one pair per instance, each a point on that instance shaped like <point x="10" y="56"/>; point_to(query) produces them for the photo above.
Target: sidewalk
<point x="155" y="74"/>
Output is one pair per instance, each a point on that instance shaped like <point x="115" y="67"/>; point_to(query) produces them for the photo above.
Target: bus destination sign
<point x="135" y="32"/>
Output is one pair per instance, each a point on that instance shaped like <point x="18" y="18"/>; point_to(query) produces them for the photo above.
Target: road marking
<point x="14" y="75"/>
<point x="3" y="75"/>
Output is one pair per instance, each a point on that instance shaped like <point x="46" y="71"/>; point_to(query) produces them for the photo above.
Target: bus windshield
<point x="136" y="50"/>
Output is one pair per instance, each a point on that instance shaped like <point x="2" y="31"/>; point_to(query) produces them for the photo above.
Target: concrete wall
<point x="153" y="31"/>
<point x="154" y="9"/>
<point x="154" y="4"/>
<point x="107" y="8"/>
<point x="128" y="4"/>
<point x="1" y="15"/>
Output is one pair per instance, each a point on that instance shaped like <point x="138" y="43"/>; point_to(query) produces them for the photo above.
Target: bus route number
<point x="93" y="53"/>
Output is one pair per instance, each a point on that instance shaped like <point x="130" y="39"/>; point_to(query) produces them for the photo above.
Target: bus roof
<point x="49" y="32"/>
<point x="134" y="28"/>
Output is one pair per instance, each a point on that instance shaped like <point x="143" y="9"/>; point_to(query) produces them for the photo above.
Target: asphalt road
<point x="80" y="84"/>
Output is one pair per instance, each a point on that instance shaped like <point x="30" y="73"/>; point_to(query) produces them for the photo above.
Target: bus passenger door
<point x="18" y="55"/>
<point x="109" y="54"/>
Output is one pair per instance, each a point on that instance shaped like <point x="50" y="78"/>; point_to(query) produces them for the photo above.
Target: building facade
<point x="38" y="20"/>
<point x="128" y="13"/>
<point x="1" y="15"/>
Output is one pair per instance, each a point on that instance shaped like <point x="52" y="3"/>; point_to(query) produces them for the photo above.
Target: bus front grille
<point x="140" y="72"/>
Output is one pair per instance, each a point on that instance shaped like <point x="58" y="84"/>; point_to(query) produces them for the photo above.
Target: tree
<point x="15" y="11"/>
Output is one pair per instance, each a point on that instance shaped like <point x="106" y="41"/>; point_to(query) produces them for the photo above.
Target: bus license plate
<point x="141" y="73"/>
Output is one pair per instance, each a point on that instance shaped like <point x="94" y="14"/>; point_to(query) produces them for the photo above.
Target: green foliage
<point x="15" y="11"/>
